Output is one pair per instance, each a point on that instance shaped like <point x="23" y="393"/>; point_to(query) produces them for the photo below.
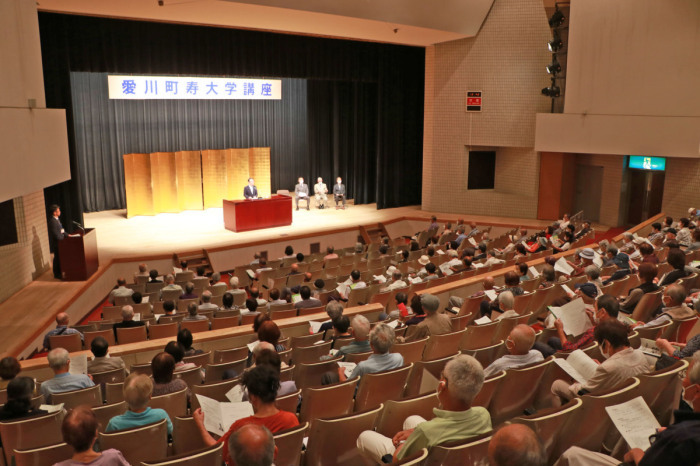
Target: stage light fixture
<point x="557" y="19"/>
<point x="556" y="43"/>
<point x="554" y="67"/>
<point x="551" y="91"/>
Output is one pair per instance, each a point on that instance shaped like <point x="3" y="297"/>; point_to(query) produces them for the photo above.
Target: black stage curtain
<point x="369" y="96"/>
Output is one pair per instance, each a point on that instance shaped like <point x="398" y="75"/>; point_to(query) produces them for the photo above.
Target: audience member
<point x="184" y="338"/>
<point x="506" y="302"/>
<point x="676" y="259"/>
<point x="252" y="445"/>
<point x="334" y="310"/>
<point x="520" y="353"/>
<point x="62" y="328"/>
<point x="137" y="394"/>
<point x="102" y="361"/>
<point x="456" y="419"/>
<point x="516" y="445"/>
<point x="360" y="331"/>
<point x="63" y="380"/>
<point x="381" y="339"/>
<point x="674" y="307"/>
<point x="306" y="300"/>
<point x="265" y="355"/>
<point x="9" y="368"/>
<point x="170" y="285"/>
<point x="192" y="314"/>
<point x="127" y="320"/>
<point x="206" y="304"/>
<point x="270" y="332"/>
<point x="169" y="309"/>
<point x="121" y="291"/>
<point x="19" y="400"/>
<point x="434" y="322"/>
<point x="189" y="292"/>
<point x="262" y="384"/>
<point x="163" y="367"/>
<point x="79" y="430"/>
<point x="153" y="275"/>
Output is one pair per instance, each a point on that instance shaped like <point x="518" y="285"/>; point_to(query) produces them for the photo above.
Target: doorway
<point x="645" y="192"/>
<point x="589" y="187"/>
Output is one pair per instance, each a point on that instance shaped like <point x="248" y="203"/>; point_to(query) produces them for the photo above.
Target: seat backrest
<point x="334" y="441"/>
<point x="357" y="357"/>
<point x="216" y="391"/>
<point x="646" y="306"/>
<point x="488" y="354"/>
<point x="195" y="326"/>
<point x="440" y="346"/>
<point x="163" y="330"/>
<point x="228" y="355"/>
<point x="114" y="392"/>
<point x="308" y="354"/>
<point x="411" y="352"/>
<point x="91" y="396"/>
<point x="70" y="343"/>
<point x="131" y="334"/>
<point x="138" y="444"/>
<point x="289" y="402"/>
<point x="378" y="387"/>
<point x="216" y="372"/>
<point x="478" y="336"/>
<point x="51" y="454"/>
<point x="201" y="359"/>
<point x="104" y="413"/>
<point x="414" y="384"/>
<point x="203" y="457"/>
<point x="175" y="404"/>
<point x="305" y="340"/>
<point x="107" y="334"/>
<point x="225" y="322"/>
<point x="491" y="386"/>
<point x="289" y="443"/>
<point x="396" y="411"/>
<point x="112" y="313"/>
<point x="661" y="390"/>
<point x="517" y="391"/>
<point x="547" y="424"/>
<point x="652" y="333"/>
<point x="190" y="376"/>
<point x="283" y="314"/>
<point x="470" y="451"/>
<point x="309" y="375"/>
<point x="30" y="433"/>
<point x="589" y="427"/>
<point x="326" y="401"/>
<point x="311" y="310"/>
<point x="682" y="330"/>
<point x="186" y="436"/>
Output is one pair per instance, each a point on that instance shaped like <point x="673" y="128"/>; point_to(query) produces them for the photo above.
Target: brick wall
<point x="506" y="62"/>
<point x="29" y="258"/>
<point x="681" y="186"/>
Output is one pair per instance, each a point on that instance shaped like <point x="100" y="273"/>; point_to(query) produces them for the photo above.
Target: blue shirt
<point x="61" y="330"/>
<point x="131" y="419"/>
<point x="378" y="363"/>
<point x="65" y="382"/>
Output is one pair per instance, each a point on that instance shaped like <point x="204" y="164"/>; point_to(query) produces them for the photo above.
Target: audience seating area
<point x="332" y="416"/>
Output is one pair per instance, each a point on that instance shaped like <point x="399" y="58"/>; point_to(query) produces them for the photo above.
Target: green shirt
<point x="445" y="427"/>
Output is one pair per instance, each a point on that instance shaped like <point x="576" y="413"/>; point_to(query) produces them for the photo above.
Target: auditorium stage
<point x="30" y="312"/>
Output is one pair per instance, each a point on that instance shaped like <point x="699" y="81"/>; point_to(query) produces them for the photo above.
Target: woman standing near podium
<point x="56" y="234"/>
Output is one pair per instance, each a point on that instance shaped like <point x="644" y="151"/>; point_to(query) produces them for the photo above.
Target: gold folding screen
<point x="192" y="180"/>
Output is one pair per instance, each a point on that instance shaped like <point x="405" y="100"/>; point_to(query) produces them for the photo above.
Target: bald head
<point x="516" y="445"/>
<point x="488" y="283"/>
<point x="522" y="338"/>
<point x="252" y="445"/>
<point x="62" y="318"/>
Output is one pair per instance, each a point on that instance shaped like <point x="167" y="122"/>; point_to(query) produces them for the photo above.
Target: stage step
<point x="195" y="259"/>
<point x="373" y="233"/>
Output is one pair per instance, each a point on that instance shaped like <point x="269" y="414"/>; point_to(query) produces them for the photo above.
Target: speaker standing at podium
<point x="250" y="191"/>
<point x="56" y="234"/>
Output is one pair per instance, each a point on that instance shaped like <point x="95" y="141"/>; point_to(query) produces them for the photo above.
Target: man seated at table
<point x="301" y="192"/>
<point x="455" y="419"/>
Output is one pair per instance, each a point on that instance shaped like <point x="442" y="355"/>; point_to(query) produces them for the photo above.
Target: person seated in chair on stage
<point x="301" y="192"/>
<point x="455" y="419"/>
<point x="520" y="353"/>
<point x="339" y="192"/>
<point x="250" y="191"/>
<point x="321" y="191"/>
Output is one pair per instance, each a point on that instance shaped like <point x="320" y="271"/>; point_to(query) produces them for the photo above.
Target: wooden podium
<point x="79" y="255"/>
<point x="254" y="214"/>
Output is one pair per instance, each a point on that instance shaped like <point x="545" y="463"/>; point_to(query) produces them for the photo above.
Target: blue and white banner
<point x="182" y="87"/>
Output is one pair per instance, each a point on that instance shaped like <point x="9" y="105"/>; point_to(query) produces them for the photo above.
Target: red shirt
<point x="585" y="339"/>
<point x="275" y="423"/>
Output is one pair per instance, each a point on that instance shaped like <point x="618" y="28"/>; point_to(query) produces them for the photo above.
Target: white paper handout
<point x="597" y="260"/>
<point x="482" y="320"/>
<point x="635" y="421"/>
<point x="342" y="289"/>
<point x="472" y="241"/>
<point x="219" y="416"/>
<point x="316" y="326"/>
<point x="649" y="347"/>
<point x="573" y="316"/>
<point x="566" y="289"/>
<point x="393" y="324"/>
<point x="78" y="364"/>
<point x="296" y="298"/>
<point x="562" y="266"/>
<point x="491" y="294"/>
<point x="52" y="408"/>
<point x="578" y="365"/>
<point x="533" y="272"/>
<point x="440" y="252"/>
<point x="235" y="395"/>
<point x="348" y="366"/>
<point x="251" y="346"/>
<point x="445" y="269"/>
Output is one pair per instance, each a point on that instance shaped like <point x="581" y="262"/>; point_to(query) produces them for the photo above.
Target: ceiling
<point x="407" y="22"/>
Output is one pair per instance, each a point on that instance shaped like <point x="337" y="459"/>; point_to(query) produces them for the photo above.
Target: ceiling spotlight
<point x="557" y="19"/>
<point x="556" y="43"/>
<point x="551" y="91"/>
<point x="554" y="67"/>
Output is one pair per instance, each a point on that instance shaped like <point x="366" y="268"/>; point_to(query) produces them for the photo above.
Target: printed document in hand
<point x="316" y="326"/>
<point x="482" y="320"/>
<point x="445" y="268"/>
<point x="348" y="366"/>
<point x="78" y="364"/>
<point x="472" y="241"/>
<point x="635" y="421"/>
<point x="251" y="346"/>
<point x="566" y="289"/>
<point x="578" y="365"/>
<point x="491" y="294"/>
<point x="562" y="266"/>
<point x="533" y="272"/>
<point x="52" y="408"/>
<point x="235" y="395"/>
<point x="573" y="316"/>
<point x="343" y="290"/>
<point x="219" y="416"/>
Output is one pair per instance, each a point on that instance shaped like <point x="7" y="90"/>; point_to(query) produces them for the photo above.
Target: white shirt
<point x="510" y="361"/>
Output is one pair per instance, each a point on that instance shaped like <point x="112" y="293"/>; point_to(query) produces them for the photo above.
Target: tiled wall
<point x="505" y="61"/>
<point x="681" y="186"/>
<point x="29" y="258"/>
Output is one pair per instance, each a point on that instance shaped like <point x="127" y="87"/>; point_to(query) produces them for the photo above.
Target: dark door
<point x="645" y="190"/>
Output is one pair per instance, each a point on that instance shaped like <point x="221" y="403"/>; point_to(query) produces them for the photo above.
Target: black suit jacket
<point x="248" y="192"/>
<point x="339" y="189"/>
<point x="55" y="234"/>
<point x="127" y="324"/>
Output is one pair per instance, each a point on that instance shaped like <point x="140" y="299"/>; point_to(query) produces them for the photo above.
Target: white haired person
<point x="455" y="419"/>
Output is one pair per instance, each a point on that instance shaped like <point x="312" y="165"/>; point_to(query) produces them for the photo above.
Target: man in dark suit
<point x="339" y="192"/>
<point x="301" y="191"/>
<point x="127" y="320"/>
<point x="250" y="191"/>
<point x="56" y="234"/>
